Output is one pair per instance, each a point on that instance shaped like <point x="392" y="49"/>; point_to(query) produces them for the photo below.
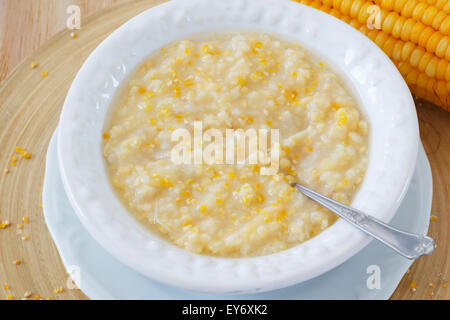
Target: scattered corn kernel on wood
<point x="413" y="286"/>
<point x="414" y="34"/>
<point x="4" y="224"/>
<point x="6" y="287"/>
<point x="58" y="290"/>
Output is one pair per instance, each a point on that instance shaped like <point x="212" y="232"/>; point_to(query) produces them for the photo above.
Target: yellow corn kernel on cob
<point x="440" y="4"/>
<point x="398" y="26"/>
<point x="418" y="49"/>
<point x="422" y="11"/>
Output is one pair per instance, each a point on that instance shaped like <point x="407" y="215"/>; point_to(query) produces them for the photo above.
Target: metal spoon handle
<point x="409" y="245"/>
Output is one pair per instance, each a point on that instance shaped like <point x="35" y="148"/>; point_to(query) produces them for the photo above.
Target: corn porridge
<point x="235" y="81"/>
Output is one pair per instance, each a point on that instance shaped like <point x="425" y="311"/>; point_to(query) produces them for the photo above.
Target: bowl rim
<point x="99" y="210"/>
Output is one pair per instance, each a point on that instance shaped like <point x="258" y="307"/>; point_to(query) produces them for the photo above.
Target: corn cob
<point x="408" y="52"/>
<point x="440" y="4"/>
<point x="398" y="26"/>
<point x="421" y="11"/>
<point x="424" y="63"/>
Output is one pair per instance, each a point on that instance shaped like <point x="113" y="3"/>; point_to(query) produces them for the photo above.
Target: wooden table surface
<point x="27" y="24"/>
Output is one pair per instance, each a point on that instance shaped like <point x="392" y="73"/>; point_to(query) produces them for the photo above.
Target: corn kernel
<point x="286" y="149"/>
<point x="335" y="106"/>
<point x="260" y="198"/>
<point x="165" y="111"/>
<point x="262" y="60"/>
<point x="241" y="81"/>
<point x="165" y="182"/>
<point x="23" y="153"/>
<point x="281" y="216"/>
<point x="177" y="92"/>
<point x="257" y="47"/>
<point x="342" y="120"/>
<point x="255" y="77"/>
<point x="185" y="193"/>
<point x="58" y="290"/>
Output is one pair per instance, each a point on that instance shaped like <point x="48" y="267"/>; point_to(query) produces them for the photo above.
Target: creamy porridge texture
<point x="235" y="81"/>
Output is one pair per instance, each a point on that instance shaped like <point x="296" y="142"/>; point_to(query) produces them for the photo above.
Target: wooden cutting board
<point x="29" y="109"/>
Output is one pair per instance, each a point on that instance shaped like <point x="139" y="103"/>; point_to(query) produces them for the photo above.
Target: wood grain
<point x="29" y="110"/>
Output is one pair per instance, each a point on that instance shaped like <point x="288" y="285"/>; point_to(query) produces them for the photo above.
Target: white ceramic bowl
<point x="384" y="98"/>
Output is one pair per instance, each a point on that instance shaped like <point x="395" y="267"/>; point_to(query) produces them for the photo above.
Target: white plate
<point x="104" y="277"/>
<point x="383" y="95"/>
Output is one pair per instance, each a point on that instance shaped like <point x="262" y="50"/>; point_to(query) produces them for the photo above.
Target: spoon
<point x="409" y="245"/>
